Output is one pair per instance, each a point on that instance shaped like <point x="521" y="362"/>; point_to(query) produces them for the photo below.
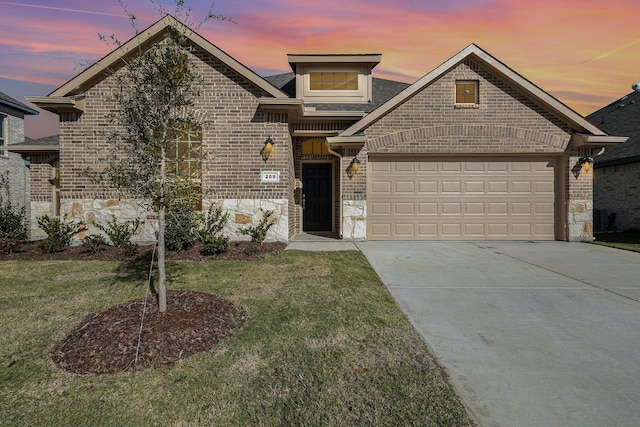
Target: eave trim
<point x="580" y="140"/>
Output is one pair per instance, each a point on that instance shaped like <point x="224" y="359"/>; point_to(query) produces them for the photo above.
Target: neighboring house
<point x="42" y="156"/>
<point x="12" y="114"/>
<point x="472" y="150"/>
<point x="617" y="169"/>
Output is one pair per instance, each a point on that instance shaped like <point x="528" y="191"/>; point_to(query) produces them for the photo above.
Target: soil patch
<point x="107" y="342"/>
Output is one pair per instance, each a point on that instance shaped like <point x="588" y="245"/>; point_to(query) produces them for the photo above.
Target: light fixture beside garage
<point x="267" y="150"/>
<point x="585" y="162"/>
<point x="353" y="167"/>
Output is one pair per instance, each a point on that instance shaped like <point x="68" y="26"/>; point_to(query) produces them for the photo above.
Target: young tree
<point x="155" y="93"/>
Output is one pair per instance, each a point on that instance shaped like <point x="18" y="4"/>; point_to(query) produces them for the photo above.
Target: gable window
<point x="466" y="92"/>
<point x="184" y="154"/>
<point x="3" y="134"/>
<point x="333" y="80"/>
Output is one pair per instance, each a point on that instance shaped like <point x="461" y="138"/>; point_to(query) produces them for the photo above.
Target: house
<point x="12" y="113"/>
<point x="42" y="156"/>
<point x="617" y="169"/>
<point x="472" y="150"/>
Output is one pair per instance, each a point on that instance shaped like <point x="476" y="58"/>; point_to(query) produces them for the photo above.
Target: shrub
<point x="120" y="234"/>
<point x="211" y="225"/>
<point x="12" y="218"/>
<point x="259" y="232"/>
<point x="212" y="245"/>
<point x="252" y="249"/>
<point x="59" y="232"/>
<point x="94" y="242"/>
<point x="181" y="226"/>
<point x="212" y="222"/>
<point x="8" y="246"/>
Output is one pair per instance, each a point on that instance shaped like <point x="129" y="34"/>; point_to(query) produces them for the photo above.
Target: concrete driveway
<point x="531" y="334"/>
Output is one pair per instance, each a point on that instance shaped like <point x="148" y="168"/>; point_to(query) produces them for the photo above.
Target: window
<point x="3" y="134"/>
<point x="466" y="92"/>
<point x="184" y="153"/>
<point x="333" y="80"/>
<point x="315" y="146"/>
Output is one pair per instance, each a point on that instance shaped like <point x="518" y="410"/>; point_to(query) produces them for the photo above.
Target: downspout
<point x="339" y="156"/>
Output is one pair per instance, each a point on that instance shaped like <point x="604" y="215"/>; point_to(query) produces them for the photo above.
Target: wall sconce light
<point x="266" y="151"/>
<point x="585" y="162"/>
<point x="353" y="168"/>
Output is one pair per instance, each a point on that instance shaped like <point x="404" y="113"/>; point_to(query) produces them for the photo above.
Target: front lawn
<point x="627" y="240"/>
<point x="324" y="344"/>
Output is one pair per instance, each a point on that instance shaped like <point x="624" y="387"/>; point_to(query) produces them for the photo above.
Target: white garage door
<point x="461" y="199"/>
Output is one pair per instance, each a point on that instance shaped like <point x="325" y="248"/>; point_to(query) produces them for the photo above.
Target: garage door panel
<point x="381" y="187"/>
<point x="451" y="187"/>
<point x="498" y="187"/>
<point x="404" y="208"/>
<point x="427" y="208"/>
<point x="497" y="208"/>
<point x="380" y="208"/>
<point x="428" y="230"/>
<point x="521" y="208"/>
<point x="471" y="187"/>
<point x="405" y="167"/>
<point x="497" y="199"/>
<point x="474" y="230"/>
<point x="405" y="187"/>
<point x="407" y="230"/>
<point x="427" y="187"/>
<point x="544" y="187"/>
<point x="474" y="208"/>
<point x="521" y="187"/>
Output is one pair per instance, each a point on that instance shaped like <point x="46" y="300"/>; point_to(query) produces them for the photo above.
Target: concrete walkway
<point x="531" y="334"/>
<point x="316" y="243"/>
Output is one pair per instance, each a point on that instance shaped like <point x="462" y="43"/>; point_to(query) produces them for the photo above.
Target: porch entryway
<point x="317" y="198"/>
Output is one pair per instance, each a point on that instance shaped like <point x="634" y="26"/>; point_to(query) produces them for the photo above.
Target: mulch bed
<point x="14" y="250"/>
<point x="107" y="342"/>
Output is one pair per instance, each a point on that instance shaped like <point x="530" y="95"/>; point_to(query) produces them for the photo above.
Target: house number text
<point x="270" y="176"/>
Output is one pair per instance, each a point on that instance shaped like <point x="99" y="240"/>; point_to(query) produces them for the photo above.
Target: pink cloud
<point x="564" y="46"/>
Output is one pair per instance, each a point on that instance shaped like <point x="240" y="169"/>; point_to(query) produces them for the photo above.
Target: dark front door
<point x="316" y="196"/>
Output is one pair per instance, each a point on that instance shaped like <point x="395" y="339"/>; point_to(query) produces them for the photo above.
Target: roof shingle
<point x="621" y="117"/>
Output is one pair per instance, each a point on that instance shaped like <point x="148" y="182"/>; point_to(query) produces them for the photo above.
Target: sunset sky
<point x="585" y="53"/>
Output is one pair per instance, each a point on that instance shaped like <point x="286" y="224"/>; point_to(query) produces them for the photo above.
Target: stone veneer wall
<point x="616" y="191"/>
<point x="242" y="214"/>
<point x="354" y="201"/>
<point x="354" y="219"/>
<point x="580" y="195"/>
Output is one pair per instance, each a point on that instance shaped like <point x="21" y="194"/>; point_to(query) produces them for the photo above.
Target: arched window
<point x="315" y="146"/>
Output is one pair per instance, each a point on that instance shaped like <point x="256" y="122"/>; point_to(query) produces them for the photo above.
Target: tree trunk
<point x="162" y="273"/>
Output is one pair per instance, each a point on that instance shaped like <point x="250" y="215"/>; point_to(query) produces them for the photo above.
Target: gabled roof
<point x="11" y="102"/>
<point x="65" y="96"/>
<point x="499" y="69"/>
<point x="621" y="117"/>
<point x="47" y="144"/>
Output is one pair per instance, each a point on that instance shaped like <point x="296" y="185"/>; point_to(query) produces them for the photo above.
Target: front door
<point x="316" y="196"/>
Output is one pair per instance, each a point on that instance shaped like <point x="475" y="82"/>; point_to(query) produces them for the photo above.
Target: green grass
<point x="628" y="240"/>
<point x="324" y="344"/>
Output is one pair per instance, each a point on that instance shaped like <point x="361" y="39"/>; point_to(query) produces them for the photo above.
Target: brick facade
<point x="13" y="164"/>
<point x="512" y="117"/>
<point x="617" y="193"/>
<point x="234" y="131"/>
